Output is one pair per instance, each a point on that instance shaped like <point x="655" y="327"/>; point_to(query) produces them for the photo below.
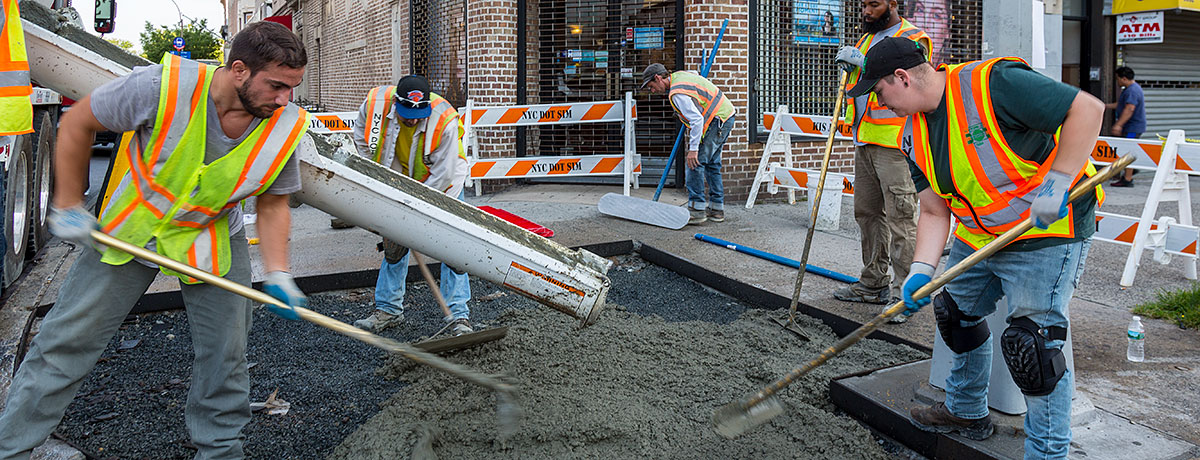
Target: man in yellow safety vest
<point x="417" y="133"/>
<point x="994" y="143"/>
<point x="708" y="114"/>
<point x="885" y="203"/>
<point x="203" y="139"/>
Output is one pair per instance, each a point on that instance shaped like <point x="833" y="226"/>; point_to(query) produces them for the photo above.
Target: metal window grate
<point x="584" y="50"/>
<point x="795" y="42"/>
<point x="438" y="37"/>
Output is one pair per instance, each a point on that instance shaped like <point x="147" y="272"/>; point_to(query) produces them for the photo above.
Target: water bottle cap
<point x="1137" y="318"/>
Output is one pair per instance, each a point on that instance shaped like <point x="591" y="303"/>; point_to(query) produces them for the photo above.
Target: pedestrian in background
<point x="1130" y="113"/>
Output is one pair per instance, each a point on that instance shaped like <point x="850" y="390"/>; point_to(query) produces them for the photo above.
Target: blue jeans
<point x="1039" y="285"/>
<point x="709" y="170"/>
<point x="389" y="288"/>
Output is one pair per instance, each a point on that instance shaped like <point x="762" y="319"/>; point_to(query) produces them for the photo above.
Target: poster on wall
<point x="932" y="16"/>
<point x="1140" y="28"/>
<point x="816" y="22"/>
<point x="648" y="38"/>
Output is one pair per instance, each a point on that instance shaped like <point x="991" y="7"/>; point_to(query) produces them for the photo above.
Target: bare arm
<point x="1125" y="115"/>
<point x="933" y="227"/>
<point x="1079" y="133"/>
<point x="76" y="131"/>
<point x="274" y="228"/>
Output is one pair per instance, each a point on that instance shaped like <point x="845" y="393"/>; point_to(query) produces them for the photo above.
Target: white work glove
<point x="72" y="224"/>
<point x="849" y="58"/>
<point x="1051" y="202"/>
<point x="280" y="285"/>
<point x="919" y="274"/>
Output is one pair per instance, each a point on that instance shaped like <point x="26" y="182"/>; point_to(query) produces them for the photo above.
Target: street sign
<point x="178" y="43"/>
<point x="182" y="54"/>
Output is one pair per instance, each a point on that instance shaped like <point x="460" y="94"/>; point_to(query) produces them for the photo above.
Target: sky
<point x="133" y="14"/>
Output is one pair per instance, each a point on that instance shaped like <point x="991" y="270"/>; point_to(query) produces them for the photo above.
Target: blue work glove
<point x="919" y="274"/>
<point x="1051" y="202"/>
<point x="72" y="224"/>
<point x="280" y="285"/>
<point x="849" y="58"/>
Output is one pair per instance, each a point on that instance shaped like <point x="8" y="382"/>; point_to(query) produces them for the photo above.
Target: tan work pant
<point x="885" y="207"/>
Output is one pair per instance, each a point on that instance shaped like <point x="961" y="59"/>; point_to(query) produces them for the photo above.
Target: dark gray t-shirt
<point x="130" y="103"/>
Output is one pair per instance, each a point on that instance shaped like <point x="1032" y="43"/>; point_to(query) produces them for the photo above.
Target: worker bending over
<point x="993" y="143"/>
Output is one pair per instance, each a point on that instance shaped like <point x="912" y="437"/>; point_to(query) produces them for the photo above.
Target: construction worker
<point x="191" y="164"/>
<point x="993" y="143"/>
<point x="708" y="115"/>
<point x="417" y="133"/>
<point x="16" y="110"/>
<point x="885" y="202"/>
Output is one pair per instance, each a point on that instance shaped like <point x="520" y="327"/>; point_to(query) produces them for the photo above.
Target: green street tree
<point x="122" y="43"/>
<point x="200" y="41"/>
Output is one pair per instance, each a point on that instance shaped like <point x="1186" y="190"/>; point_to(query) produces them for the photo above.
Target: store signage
<point x="647" y="38"/>
<point x="1139" y="28"/>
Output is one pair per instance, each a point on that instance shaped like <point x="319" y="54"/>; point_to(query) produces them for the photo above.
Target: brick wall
<point x="492" y="71"/>
<point x="350" y="49"/>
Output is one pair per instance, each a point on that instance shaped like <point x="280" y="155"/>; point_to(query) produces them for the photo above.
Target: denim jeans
<point x="1039" y="285"/>
<point x="709" y="170"/>
<point x="389" y="287"/>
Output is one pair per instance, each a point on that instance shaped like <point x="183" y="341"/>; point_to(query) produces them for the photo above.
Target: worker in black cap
<point x="981" y="143"/>
<point x="416" y="132"/>
<point x="709" y="116"/>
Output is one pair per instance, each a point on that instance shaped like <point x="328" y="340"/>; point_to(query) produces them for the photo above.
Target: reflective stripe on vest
<point x="379" y="105"/>
<point x="993" y="187"/>
<point x="708" y="97"/>
<point x="442" y="113"/>
<point x="879" y="125"/>
<point x="16" y="110"/>
<point x="170" y="195"/>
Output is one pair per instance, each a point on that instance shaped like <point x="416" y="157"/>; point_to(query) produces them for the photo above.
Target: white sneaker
<point x="378" y="321"/>
<point x="460" y="326"/>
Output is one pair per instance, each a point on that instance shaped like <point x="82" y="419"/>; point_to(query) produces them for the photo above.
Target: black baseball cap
<point x="412" y="97"/>
<point x="883" y="59"/>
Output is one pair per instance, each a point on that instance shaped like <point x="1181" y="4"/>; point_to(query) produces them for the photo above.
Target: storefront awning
<point x="1137" y="6"/>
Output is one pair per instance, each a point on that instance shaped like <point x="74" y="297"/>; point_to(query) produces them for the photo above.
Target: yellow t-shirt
<point x="404" y="138"/>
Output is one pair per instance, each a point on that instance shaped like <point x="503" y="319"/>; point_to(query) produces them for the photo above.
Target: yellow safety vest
<point x="169" y="194"/>
<point x="993" y="185"/>
<point x="379" y="104"/>
<point x="16" y="110"/>
<point x="709" y="98"/>
<point x="879" y="125"/>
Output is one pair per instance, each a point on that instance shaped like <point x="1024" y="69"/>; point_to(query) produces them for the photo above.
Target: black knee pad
<point x="1034" y="368"/>
<point x="960" y="339"/>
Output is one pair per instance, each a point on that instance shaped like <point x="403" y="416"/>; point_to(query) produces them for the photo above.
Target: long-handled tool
<point x="739" y="416"/>
<point x="457" y="342"/>
<point x="815" y="205"/>
<point x="507" y="410"/>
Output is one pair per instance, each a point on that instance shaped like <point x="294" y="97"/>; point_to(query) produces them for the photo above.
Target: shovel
<point x="507" y="411"/>
<point x="740" y="416"/>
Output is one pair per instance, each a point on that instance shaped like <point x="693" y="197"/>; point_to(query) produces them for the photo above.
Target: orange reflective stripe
<point x="216" y="255"/>
<point x="297" y="130"/>
<point x="606" y="165"/>
<point x="15" y="91"/>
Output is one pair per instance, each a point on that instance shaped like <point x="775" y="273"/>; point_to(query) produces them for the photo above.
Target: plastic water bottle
<point x="1137" y="341"/>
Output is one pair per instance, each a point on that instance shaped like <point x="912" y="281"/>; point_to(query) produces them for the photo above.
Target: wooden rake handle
<point x="470" y="375"/>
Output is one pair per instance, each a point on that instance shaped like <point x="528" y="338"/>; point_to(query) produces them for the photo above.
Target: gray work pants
<point x="885" y="207"/>
<point x="91" y="305"/>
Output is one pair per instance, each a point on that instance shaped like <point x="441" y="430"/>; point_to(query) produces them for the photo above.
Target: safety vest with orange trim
<point x="708" y="97"/>
<point x="879" y="125"/>
<point x="16" y="110"/>
<point x="993" y="186"/>
<point x="170" y="195"/>
<point x="379" y="105"/>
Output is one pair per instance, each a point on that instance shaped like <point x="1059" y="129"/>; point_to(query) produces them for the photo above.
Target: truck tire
<point x="45" y="131"/>
<point x="17" y="209"/>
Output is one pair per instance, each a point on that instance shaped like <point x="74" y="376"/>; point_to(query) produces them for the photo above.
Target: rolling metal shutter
<point x="1169" y="74"/>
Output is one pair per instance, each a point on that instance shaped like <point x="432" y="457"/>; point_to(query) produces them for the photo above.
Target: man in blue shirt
<point x="1130" y="111"/>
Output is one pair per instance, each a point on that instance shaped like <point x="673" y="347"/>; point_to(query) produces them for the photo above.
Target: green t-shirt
<point x="1029" y="108"/>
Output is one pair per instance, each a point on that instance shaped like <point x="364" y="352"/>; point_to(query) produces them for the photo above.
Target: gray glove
<point x="849" y="58"/>
<point x="72" y="224"/>
<point x="1051" y="202"/>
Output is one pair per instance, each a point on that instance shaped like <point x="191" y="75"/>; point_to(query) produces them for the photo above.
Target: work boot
<point x="696" y="216"/>
<point x="898" y="318"/>
<point x="339" y="223"/>
<point x="938" y="419"/>
<point x="460" y="326"/>
<point x="378" y="321"/>
<point x="1122" y="182"/>
<point x="716" y="215"/>
<point x="858" y="293"/>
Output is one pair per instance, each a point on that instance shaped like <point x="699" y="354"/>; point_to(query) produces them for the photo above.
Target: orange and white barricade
<point x="333" y="122"/>
<point x="1172" y="162"/>
<point x="782" y="126"/>
<point x="628" y="165"/>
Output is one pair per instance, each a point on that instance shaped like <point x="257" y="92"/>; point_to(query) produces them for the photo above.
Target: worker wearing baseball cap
<point x="709" y="117"/>
<point x="992" y="143"/>
<point x="417" y="133"/>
